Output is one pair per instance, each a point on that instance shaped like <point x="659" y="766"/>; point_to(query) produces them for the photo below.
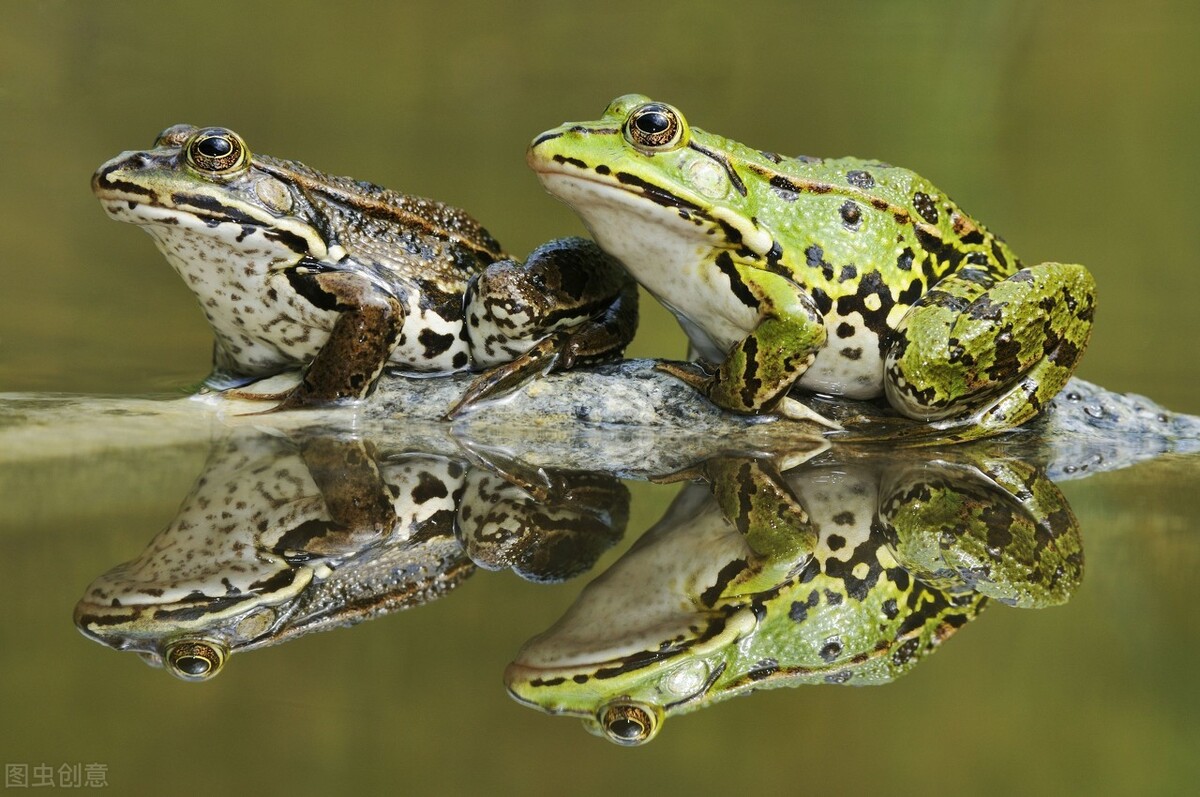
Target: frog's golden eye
<point x="629" y="723"/>
<point x="654" y="127"/>
<point x="194" y="659"/>
<point x="217" y="151"/>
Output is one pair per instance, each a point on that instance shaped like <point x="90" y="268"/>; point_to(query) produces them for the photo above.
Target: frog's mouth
<point x="615" y="208"/>
<point x="127" y="192"/>
<point x="560" y="170"/>
<point x="523" y="683"/>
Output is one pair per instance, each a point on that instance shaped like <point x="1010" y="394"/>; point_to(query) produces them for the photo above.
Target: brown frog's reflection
<point x="282" y="536"/>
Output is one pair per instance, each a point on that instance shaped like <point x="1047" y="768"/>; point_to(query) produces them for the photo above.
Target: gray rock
<point x="626" y="418"/>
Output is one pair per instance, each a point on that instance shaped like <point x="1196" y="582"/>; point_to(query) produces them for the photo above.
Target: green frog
<point x="298" y="269"/>
<point x="845" y="277"/>
<point x="840" y="572"/>
<point x="287" y="535"/>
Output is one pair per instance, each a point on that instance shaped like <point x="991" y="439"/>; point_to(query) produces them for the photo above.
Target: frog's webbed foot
<point x="798" y="411"/>
<point x="702" y="380"/>
<point x="783" y="460"/>
<point x="691" y="373"/>
<point x="271" y="391"/>
<point x="553" y="353"/>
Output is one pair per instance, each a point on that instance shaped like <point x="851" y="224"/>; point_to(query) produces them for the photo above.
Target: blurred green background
<point x="1070" y="129"/>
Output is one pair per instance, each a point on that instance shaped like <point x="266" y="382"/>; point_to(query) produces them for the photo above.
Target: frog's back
<point x="901" y="224"/>
<point x="406" y="236"/>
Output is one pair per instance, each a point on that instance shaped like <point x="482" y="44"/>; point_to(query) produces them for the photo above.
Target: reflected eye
<point x="194" y="659"/>
<point x="218" y="151"/>
<point x="628" y="723"/>
<point x="654" y="127"/>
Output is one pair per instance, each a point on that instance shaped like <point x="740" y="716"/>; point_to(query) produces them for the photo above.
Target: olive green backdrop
<point x="1072" y="132"/>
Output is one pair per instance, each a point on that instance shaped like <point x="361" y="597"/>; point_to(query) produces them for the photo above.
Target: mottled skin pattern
<point x="841" y="276"/>
<point x="295" y="268"/>
<point x="842" y="574"/>
<point x="282" y="537"/>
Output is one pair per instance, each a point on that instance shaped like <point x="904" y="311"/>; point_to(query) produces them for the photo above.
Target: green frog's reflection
<point x="840" y="572"/>
<point x="283" y="536"/>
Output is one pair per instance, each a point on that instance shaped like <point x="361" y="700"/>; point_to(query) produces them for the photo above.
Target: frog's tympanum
<point x="282" y="537"/>
<point x="844" y="573"/>
<point x="841" y="276"/>
<point x="294" y="268"/>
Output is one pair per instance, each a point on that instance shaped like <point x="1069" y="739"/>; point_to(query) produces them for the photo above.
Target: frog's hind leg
<point x="568" y="304"/>
<point x="979" y="354"/>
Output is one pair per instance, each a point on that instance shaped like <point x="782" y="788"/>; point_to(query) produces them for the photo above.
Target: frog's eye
<point x="194" y="659"/>
<point x="629" y="723"/>
<point x="654" y="127"/>
<point x="217" y="151"/>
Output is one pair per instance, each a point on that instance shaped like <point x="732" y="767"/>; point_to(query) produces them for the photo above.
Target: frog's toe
<point x="798" y="411"/>
<point x="271" y="388"/>
<point x="692" y="373"/>
<point x="504" y="378"/>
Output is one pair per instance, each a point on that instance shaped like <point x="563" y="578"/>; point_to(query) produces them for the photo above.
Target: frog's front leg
<point x="979" y="354"/>
<point x="760" y="369"/>
<point x="363" y="336"/>
<point x="756" y="499"/>
<point x="569" y="303"/>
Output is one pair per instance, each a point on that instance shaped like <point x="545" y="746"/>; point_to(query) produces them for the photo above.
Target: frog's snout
<point x="107" y="178"/>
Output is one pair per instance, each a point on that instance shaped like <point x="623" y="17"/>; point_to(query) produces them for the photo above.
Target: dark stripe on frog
<point x="553" y="134"/>
<point x="215" y="209"/>
<point x="931" y="241"/>
<point x="738" y="185"/>
<point x="724" y="262"/>
<point x="654" y="193"/>
<point x="123" y="185"/>
<point x="998" y="253"/>
<point x="90" y="620"/>
<point x="300" y="278"/>
<point x="750" y="390"/>
<point x="775" y="262"/>
<point x="215" y="605"/>
<point x="644" y="658"/>
<point x="300" y="537"/>
<point x="578" y="164"/>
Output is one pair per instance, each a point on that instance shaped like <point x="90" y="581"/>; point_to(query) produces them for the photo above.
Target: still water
<point x="1072" y="135"/>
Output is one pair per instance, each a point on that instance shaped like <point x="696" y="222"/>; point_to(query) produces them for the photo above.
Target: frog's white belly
<point x="851" y="366"/>
<point x="260" y="322"/>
